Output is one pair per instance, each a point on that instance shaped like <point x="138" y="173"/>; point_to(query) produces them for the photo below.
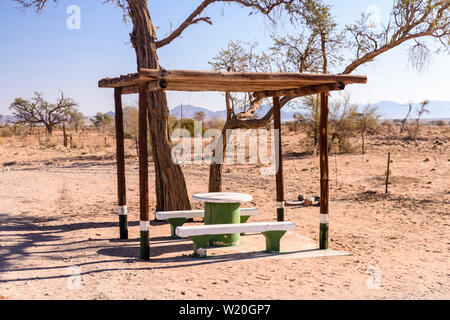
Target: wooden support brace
<point x="143" y="174"/>
<point x="120" y="158"/>
<point x="279" y="160"/>
<point x="324" y="183"/>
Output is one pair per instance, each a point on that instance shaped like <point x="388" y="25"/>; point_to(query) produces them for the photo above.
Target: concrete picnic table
<point x="223" y="208"/>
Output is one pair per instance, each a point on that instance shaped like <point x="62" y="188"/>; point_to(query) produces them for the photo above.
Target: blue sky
<point x="39" y="53"/>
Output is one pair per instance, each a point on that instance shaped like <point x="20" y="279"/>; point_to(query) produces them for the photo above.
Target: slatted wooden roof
<point x="256" y="82"/>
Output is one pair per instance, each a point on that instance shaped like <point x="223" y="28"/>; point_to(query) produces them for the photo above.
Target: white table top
<point x="222" y="197"/>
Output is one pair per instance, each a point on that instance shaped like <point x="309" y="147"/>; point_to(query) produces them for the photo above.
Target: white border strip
<point x="123" y="211"/>
<point x="280" y="204"/>
<point x="144" y="225"/>
<point x="323" y="218"/>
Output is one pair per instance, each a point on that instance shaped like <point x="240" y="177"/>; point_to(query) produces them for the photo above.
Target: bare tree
<point x="131" y="124"/>
<point x="76" y="118"/>
<point x="310" y="119"/>
<point x="199" y="116"/>
<point x="402" y="127"/>
<point x="319" y="45"/>
<point x="171" y="192"/>
<point x="342" y="123"/>
<point x="367" y="120"/>
<point x="414" y="128"/>
<point x="411" y="21"/>
<point x="39" y="111"/>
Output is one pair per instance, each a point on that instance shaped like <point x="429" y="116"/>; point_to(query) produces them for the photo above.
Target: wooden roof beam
<point x="300" y="92"/>
<point x="151" y="86"/>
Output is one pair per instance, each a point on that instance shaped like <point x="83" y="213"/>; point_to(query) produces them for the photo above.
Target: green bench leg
<point x="174" y="223"/>
<point x="200" y="245"/>
<point x="273" y="240"/>
<point x="323" y="236"/>
<point x="123" y="226"/>
<point x="244" y="219"/>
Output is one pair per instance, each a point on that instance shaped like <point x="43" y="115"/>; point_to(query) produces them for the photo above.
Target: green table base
<point x="223" y="213"/>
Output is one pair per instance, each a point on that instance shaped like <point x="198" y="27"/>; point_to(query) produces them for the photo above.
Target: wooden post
<point x="143" y="174"/>
<point x="120" y="156"/>
<point x="324" y="185"/>
<point x="387" y="172"/>
<point x="279" y="160"/>
<point x="64" y="135"/>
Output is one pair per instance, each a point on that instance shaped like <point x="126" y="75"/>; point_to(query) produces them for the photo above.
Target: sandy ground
<point x="58" y="218"/>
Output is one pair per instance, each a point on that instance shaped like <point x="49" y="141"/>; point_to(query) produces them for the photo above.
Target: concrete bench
<point x="200" y="235"/>
<point x="178" y="218"/>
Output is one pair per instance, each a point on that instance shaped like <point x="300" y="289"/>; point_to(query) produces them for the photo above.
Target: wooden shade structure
<point x="260" y="84"/>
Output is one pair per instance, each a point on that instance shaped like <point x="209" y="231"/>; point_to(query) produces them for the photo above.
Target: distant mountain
<point x="6" y="119"/>
<point x="394" y="110"/>
<point x="387" y="109"/>
<point x="188" y="111"/>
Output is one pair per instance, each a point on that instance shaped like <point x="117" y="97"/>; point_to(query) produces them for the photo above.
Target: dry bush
<point x="292" y="126"/>
<point x="6" y="131"/>
<point x="387" y="126"/>
<point x="29" y="141"/>
<point x="342" y="124"/>
<point x="214" y="123"/>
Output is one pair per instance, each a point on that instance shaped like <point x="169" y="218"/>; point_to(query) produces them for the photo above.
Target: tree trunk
<point x="363" y="145"/>
<point x="216" y="169"/>
<point x="171" y="192"/>
<point x="64" y="135"/>
<point x="215" y="177"/>
<point x="49" y="129"/>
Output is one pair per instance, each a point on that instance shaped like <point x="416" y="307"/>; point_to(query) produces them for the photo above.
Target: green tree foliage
<point x="131" y="122"/>
<point x="76" y="118"/>
<point x="309" y="118"/>
<point x="342" y="123"/>
<point x="102" y="119"/>
<point x="199" y="116"/>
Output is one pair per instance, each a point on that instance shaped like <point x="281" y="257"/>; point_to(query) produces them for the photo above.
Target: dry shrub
<point x="214" y="123"/>
<point x="386" y="126"/>
<point x="413" y="132"/>
<point x="29" y="141"/>
<point x="51" y="142"/>
<point x="108" y="143"/>
<point x="292" y="126"/>
<point x="6" y="131"/>
<point x="75" y="144"/>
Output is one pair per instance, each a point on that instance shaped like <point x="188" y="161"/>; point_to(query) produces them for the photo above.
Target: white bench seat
<point x="178" y="218"/>
<point x="253" y="227"/>
<point x="164" y="215"/>
<point x="200" y="235"/>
